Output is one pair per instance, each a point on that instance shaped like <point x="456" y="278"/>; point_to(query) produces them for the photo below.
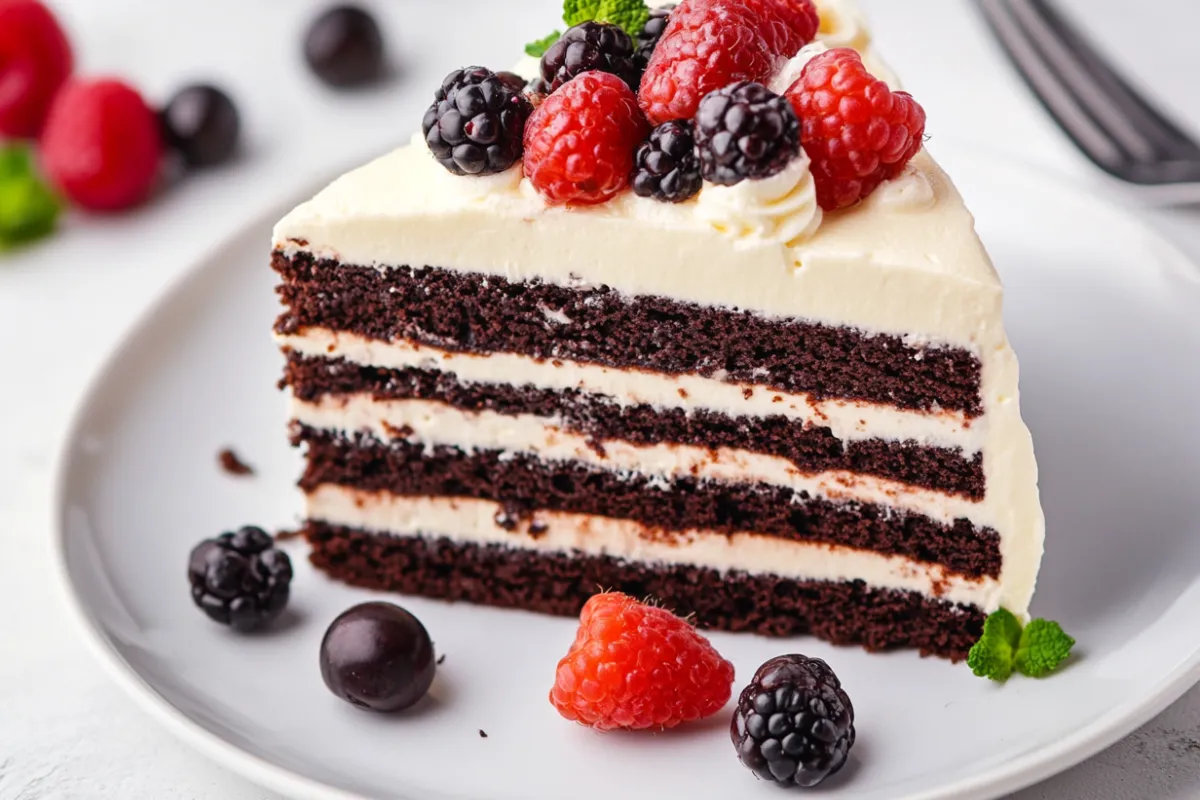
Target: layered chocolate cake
<point x="783" y="402"/>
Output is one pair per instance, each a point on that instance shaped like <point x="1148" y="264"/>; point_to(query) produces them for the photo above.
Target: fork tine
<point x="1041" y="77"/>
<point x="1107" y="94"/>
<point x="1107" y="119"/>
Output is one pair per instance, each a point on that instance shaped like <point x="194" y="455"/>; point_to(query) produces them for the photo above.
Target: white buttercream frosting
<point x="478" y="522"/>
<point x="780" y="209"/>
<point x="789" y="73"/>
<point x="843" y="25"/>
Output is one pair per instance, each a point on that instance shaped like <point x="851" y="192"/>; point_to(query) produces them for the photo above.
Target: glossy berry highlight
<point x="240" y="579"/>
<point x="476" y="125"/>
<point x="794" y="724"/>
<point x="102" y="146"/>
<point x="636" y="666"/>
<point x="856" y="130"/>
<point x="35" y="62"/>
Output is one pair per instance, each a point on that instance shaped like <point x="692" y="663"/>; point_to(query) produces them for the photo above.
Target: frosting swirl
<point x="842" y="25"/>
<point x="782" y="208"/>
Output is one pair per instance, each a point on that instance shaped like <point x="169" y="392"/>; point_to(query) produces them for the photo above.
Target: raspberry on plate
<point x="580" y="142"/>
<point x="635" y="666"/>
<point x="35" y="61"/>
<point x="101" y="145"/>
<point x="709" y="44"/>
<point x="857" y="131"/>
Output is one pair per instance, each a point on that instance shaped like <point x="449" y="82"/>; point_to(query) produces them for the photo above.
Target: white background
<point x="65" y="732"/>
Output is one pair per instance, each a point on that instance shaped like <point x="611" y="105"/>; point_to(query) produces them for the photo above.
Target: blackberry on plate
<point x="476" y="125"/>
<point x="201" y="123"/>
<point x="240" y="579"/>
<point x="745" y="131"/>
<point x="590" y="46"/>
<point x="793" y="724"/>
<point x="652" y="31"/>
<point x="666" y="167"/>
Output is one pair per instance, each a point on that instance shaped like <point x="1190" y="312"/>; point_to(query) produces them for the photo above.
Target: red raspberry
<point x="636" y="666"/>
<point x="102" y="145"/>
<point x="35" y="61"/>
<point x="857" y="132"/>
<point x="579" y="143"/>
<point x="709" y="44"/>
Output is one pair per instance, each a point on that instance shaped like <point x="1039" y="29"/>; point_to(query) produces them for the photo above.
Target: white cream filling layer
<point x="475" y="521"/>
<point x="847" y="420"/>
<point x="436" y="423"/>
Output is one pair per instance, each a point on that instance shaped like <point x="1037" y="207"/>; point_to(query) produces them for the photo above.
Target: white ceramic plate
<point x="1103" y="314"/>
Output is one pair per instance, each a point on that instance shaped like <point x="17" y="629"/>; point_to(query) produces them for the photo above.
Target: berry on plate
<point x="652" y="31"/>
<point x="201" y="123"/>
<point x="240" y="579"/>
<point x="35" y="61"/>
<point x="378" y="656"/>
<point x="344" y="47"/>
<point x="709" y="44"/>
<point x="590" y="46"/>
<point x="636" y="666"/>
<point x="101" y="145"/>
<point x="476" y="124"/>
<point x="794" y="723"/>
<point x="580" y="142"/>
<point x="745" y="131"/>
<point x="667" y="167"/>
<point x="857" y="131"/>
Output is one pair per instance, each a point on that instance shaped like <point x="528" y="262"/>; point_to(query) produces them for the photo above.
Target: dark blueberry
<point x="665" y="165"/>
<point x="201" y="123"/>
<point x="745" y="131"/>
<point x="378" y="656"/>
<point x="344" y="47"/>
<point x="590" y="46"/>
<point x="476" y="125"/>
<point x="240" y="579"/>
<point x="793" y="724"/>
<point x="652" y="31"/>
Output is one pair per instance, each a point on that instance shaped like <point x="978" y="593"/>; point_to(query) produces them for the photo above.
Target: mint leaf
<point x="629" y="15"/>
<point x="28" y="208"/>
<point x="577" y="11"/>
<point x="992" y="656"/>
<point x="1043" y="646"/>
<point x="538" y="48"/>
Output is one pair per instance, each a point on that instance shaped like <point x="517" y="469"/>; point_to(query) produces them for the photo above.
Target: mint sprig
<point x="629" y="15"/>
<point x="28" y="208"/>
<point x="538" y="48"/>
<point x="1035" y="650"/>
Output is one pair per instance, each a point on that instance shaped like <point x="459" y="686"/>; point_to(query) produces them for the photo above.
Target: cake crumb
<point x="232" y="464"/>
<point x="482" y="733"/>
<point x="441" y="659"/>
<point x="747" y="393"/>
<point x="285" y="535"/>
<point x="683" y="393"/>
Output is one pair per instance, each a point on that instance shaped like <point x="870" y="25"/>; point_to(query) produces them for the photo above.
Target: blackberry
<point x="652" y="31"/>
<point x="745" y="131"/>
<point x="240" y="579"/>
<point x="591" y="46"/>
<point x="793" y="724"/>
<point x="476" y="124"/>
<point x="665" y="165"/>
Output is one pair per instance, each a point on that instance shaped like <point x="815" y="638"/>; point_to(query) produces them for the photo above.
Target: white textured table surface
<point x="65" y="731"/>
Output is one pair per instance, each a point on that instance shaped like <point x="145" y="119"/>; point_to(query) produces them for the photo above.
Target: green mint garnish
<point x="28" y="208"/>
<point x="630" y="15"/>
<point x="1035" y="651"/>
<point x="538" y="48"/>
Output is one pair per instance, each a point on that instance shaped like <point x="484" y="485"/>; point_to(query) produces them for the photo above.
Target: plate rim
<point x="1011" y="776"/>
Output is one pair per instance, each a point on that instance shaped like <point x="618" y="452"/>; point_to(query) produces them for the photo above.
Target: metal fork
<point x="1110" y="121"/>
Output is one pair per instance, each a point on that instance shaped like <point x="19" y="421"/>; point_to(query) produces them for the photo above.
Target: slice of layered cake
<point x="691" y="315"/>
